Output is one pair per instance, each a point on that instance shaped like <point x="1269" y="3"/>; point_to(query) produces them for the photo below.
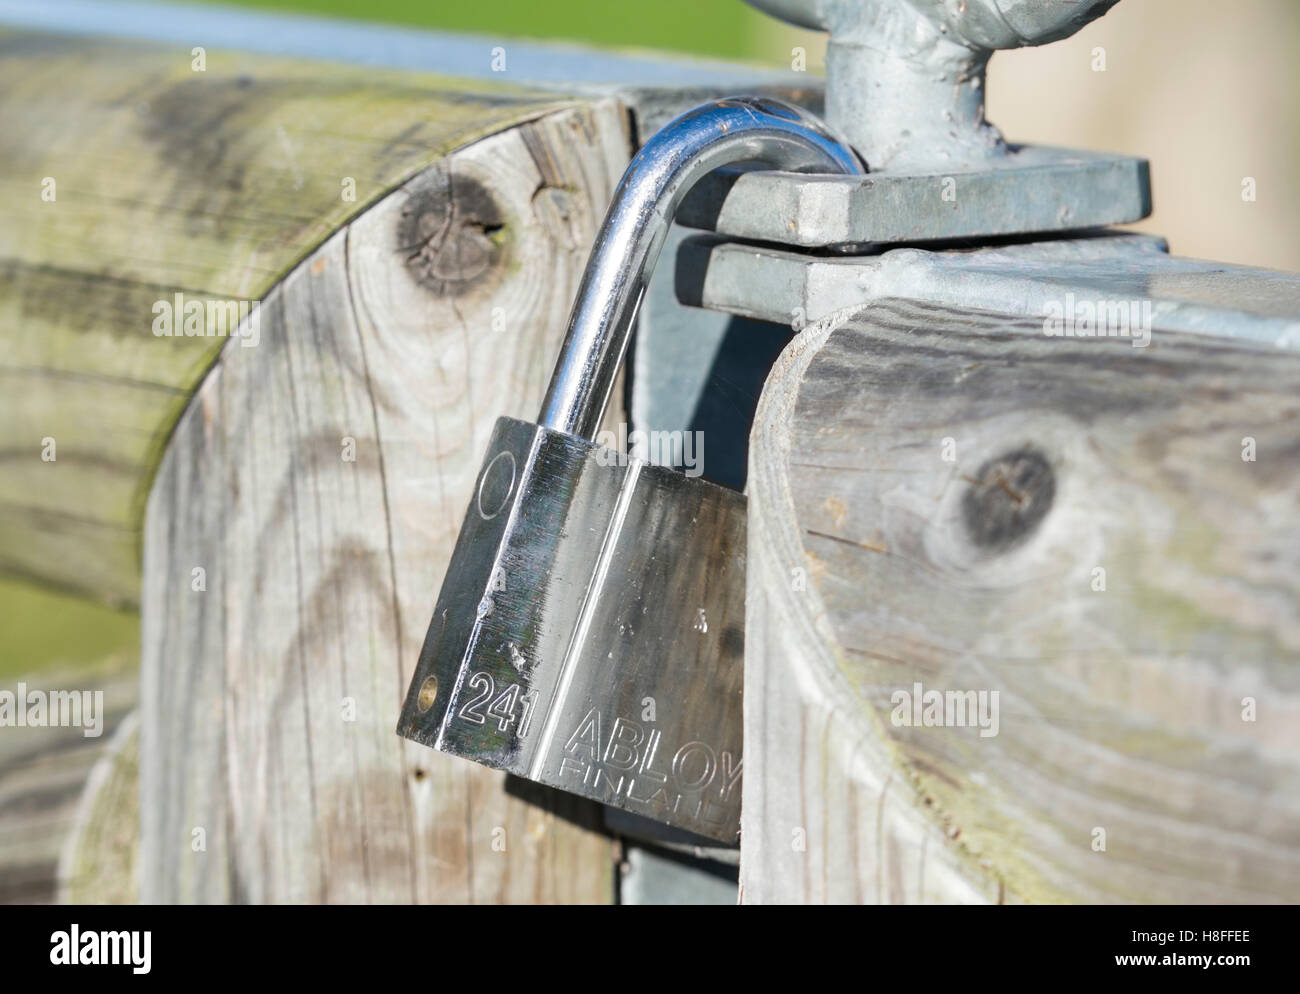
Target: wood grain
<point x="213" y="183"/>
<point x="99" y="863"/>
<point x="43" y="775"/>
<point x="400" y="339"/>
<point x="1121" y="709"/>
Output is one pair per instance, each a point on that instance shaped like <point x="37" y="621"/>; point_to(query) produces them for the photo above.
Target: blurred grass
<point x="721" y="28"/>
<point x="40" y="627"/>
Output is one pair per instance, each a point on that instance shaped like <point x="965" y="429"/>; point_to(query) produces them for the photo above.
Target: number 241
<point x="503" y="704"/>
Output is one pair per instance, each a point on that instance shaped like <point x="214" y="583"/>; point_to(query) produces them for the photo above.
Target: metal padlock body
<point x="589" y="631"/>
<point x="602" y="650"/>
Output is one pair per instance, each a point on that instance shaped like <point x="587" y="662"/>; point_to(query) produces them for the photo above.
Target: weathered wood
<point x="213" y="182"/>
<point x="43" y="773"/>
<point x="319" y="480"/>
<point x="100" y="860"/>
<point x="876" y="564"/>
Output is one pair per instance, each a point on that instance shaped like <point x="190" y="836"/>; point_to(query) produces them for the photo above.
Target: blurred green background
<point x="42" y="626"/>
<point x="728" y="29"/>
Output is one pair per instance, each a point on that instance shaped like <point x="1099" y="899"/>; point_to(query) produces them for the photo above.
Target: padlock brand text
<point x="624" y="759"/>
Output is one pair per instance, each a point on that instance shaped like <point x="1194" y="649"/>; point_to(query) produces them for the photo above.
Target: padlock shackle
<point x="723" y="132"/>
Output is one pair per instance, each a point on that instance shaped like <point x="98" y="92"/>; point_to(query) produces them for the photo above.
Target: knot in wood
<point x="451" y="234"/>
<point x="1008" y="498"/>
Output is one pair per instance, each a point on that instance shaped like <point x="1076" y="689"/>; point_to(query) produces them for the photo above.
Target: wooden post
<point x="412" y="286"/>
<point x="298" y="529"/>
<point x="1104" y="536"/>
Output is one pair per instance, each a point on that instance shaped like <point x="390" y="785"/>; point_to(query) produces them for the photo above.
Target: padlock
<point x="589" y="633"/>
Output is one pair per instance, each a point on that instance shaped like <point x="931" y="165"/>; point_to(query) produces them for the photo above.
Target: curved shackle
<point x="720" y="133"/>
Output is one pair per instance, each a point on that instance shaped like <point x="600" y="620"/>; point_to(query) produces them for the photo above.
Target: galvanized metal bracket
<point x="905" y="83"/>
<point x="1031" y="189"/>
<point x="1186" y="296"/>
